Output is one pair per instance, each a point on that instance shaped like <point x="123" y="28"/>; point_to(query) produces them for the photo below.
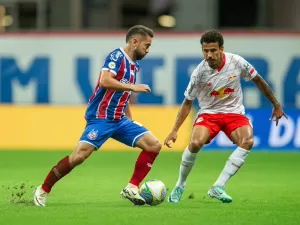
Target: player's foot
<point x="175" y="195"/>
<point x="131" y="193"/>
<point x="40" y="196"/>
<point x="220" y="194"/>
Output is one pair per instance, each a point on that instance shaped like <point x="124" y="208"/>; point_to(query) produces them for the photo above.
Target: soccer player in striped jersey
<point x="108" y="116"/>
<point x="216" y="84"/>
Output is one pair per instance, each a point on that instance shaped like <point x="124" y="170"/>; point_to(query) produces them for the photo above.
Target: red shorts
<point x="222" y="122"/>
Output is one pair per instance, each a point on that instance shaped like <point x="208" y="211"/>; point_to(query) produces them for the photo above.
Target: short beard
<point x="138" y="56"/>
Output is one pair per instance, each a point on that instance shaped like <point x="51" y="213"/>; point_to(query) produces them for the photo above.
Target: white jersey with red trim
<point x="219" y="90"/>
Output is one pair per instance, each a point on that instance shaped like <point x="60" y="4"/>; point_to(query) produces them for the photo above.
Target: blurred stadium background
<point x="51" y="52"/>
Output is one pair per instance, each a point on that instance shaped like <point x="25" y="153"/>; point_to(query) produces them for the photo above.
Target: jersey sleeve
<point x="248" y="72"/>
<point x="191" y="91"/>
<point x="113" y="62"/>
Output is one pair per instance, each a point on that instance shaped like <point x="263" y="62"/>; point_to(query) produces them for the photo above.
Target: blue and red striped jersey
<point x="110" y="104"/>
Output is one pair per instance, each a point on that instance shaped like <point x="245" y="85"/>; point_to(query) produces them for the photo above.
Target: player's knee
<point x="79" y="155"/>
<point x="156" y="147"/>
<point x="79" y="159"/>
<point x="247" y="143"/>
<point x="196" y="145"/>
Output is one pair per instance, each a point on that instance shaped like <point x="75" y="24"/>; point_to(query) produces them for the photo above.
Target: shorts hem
<point x="137" y="138"/>
<point x="95" y="147"/>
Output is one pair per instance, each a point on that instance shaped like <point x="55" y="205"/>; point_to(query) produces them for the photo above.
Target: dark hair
<point x="139" y="29"/>
<point x="212" y="36"/>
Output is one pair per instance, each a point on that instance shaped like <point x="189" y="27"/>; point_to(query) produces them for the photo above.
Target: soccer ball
<point x="153" y="191"/>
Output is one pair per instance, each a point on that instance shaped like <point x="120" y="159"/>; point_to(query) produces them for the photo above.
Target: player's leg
<point x="243" y="137"/>
<point x="205" y="129"/>
<point x="134" y="134"/>
<point x="61" y="169"/>
<point x="241" y="133"/>
<point x="82" y="151"/>
<point x="92" y="138"/>
<point x="150" y="147"/>
<point x="200" y="136"/>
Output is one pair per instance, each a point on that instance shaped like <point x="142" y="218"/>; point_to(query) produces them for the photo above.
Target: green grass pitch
<point x="265" y="191"/>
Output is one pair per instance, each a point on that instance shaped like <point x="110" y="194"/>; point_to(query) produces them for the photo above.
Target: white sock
<point x="233" y="164"/>
<point x="187" y="163"/>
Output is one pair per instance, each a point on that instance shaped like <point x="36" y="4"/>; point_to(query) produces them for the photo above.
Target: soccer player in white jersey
<point x="216" y="84"/>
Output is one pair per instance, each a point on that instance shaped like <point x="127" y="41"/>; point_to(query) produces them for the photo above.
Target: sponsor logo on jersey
<point x="114" y="56"/>
<point x="124" y="81"/>
<point x="222" y="92"/>
<point x="249" y="68"/>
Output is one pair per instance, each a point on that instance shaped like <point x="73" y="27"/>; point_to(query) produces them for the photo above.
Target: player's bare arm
<point x="264" y="88"/>
<point x="108" y="81"/>
<point x="184" y="111"/>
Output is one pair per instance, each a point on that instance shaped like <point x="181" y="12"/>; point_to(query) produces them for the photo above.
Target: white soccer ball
<point x="153" y="191"/>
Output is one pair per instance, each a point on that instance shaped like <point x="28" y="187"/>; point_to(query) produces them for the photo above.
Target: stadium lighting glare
<point x="166" y="21"/>
<point x="7" y="21"/>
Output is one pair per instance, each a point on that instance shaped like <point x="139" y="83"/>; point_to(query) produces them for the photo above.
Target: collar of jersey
<point x="129" y="59"/>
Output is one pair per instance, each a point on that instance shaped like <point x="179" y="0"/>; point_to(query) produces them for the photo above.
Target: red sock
<point x="62" y="168"/>
<point x="143" y="166"/>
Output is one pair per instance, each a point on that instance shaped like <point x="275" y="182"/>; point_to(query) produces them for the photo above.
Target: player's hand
<point x="172" y="137"/>
<point x="144" y="88"/>
<point x="277" y="112"/>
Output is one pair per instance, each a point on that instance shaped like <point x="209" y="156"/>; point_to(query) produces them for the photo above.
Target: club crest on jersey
<point x="231" y="77"/>
<point x="92" y="135"/>
<point x="112" y="65"/>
